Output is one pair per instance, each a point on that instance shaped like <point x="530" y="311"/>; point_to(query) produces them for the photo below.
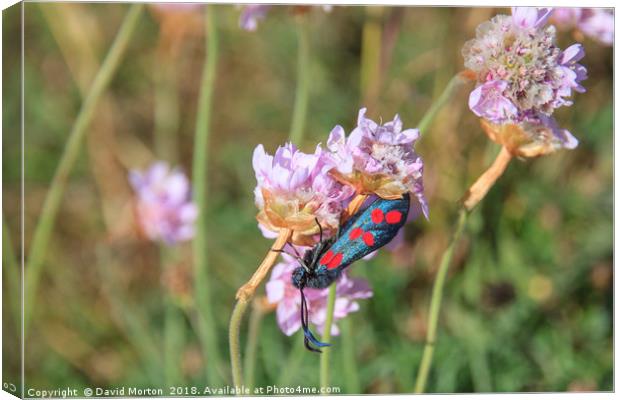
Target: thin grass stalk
<point x="173" y="326"/>
<point x="202" y="288"/>
<point x="300" y="109"/>
<point x="166" y="110"/>
<point x="370" y="68"/>
<point x="10" y="265"/>
<point x="348" y="350"/>
<point x="70" y="154"/>
<point x="327" y="334"/>
<point x="454" y="83"/>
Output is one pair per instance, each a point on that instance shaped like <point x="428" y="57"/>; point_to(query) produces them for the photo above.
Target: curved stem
<point x="480" y="188"/>
<point x="206" y="322"/>
<point x="244" y="296"/>
<point x="72" y="148"/>
<point x="435" y="306"/>
<point x="251" y="348"/>
<point x="456" y="81"/>
<point x="300" y="109"/>
<point x="327" y="334"/>
<point x="234" y="341"/>
<point x="472" y="197"/>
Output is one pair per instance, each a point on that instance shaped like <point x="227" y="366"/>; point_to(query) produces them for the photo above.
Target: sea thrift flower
<point x="522" y="75"/>
<point x="596" y="23"/>
<point x="294" y="188"/>
<point x="163" y="205"/>
<point x="280" y="291"/>
<point x="378" y="159"/>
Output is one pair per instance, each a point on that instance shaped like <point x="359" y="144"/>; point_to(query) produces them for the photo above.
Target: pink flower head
<point x="293" y="188"/>
<point x="251" y="14"/>
<point x="596" y="23"/>
<point x="280" y="291"/>
<point x="522" y="75"/>
<point x="378" y="159"/>
<point x="163" y="203"/>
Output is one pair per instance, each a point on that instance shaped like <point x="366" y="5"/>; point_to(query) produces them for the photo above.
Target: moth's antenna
<point x="309" y="337"/>
<point x="320" y="229"/>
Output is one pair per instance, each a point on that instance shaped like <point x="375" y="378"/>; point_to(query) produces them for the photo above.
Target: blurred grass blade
<point x="10" y="265"/>
<point x="352" y="379"/>
<point x="206" y="321"/>
<point x="51" y="205"/>
<point x="454" y="83"/>
<point x="300" y="109"/>
<point x="256" y="317"/>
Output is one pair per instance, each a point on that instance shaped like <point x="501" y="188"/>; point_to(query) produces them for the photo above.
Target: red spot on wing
<point x="393" y="217"/>
<point x="335" y="262"/>
<point x="355" y="233"/>
<point x="369" y="239"/>
<point x="327" y="258"/>
<point x="377" y="215"/>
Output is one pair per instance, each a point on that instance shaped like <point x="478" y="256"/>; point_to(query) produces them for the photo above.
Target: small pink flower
<point x="530" y="17"/>
<point x="487" y="101"/>
<point x="596" y="23"/>
<point x="293" y="188"/>
<point x="163" y="203"/>
<point x="280" y="291"/>
<point x="378" y="159"/>
<point x="251" y="14"/>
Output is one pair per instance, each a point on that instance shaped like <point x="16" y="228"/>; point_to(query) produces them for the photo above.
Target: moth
<point x="366" y="231"/>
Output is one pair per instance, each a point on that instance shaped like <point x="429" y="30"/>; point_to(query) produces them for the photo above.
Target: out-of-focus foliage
<point x="528" y="305"/>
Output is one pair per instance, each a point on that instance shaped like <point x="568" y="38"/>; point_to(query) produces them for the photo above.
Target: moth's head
<point x="318" y="278"/>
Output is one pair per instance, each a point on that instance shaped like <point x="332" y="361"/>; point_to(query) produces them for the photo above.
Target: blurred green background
<point x="528" y="305"/>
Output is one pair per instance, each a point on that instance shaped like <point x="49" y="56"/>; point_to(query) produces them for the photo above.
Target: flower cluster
<point x="163" y="203"/>
<point x="280" y="291"/>
<point x="378" y="159"/>
<point x="596" y="23"/>
<point x="295" y="189"/>
<point x="523" y="76"/>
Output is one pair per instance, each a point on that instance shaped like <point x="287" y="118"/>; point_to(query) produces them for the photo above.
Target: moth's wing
<point x="369" y="230"/>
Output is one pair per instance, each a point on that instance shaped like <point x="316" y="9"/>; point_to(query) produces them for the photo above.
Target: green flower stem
<point x="435" y="306"/>
<point x="251" y="348"/>
<point x="166" y="111"/>
<point x="206" y="321"/>
<point x="473" y="196"/>
<point x="327" y="334"/>
<point x="234" y="341"/>
<point x="348" y="349"/>
<point x="300" y="109"/>
<point x="370" y="68"/>
<point x="173" y="326"/>
<point x="454" y="83"/>
<point x="51" y="205"/>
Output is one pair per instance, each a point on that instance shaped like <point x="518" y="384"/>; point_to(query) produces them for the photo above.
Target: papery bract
<point x="293" y="188"/>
